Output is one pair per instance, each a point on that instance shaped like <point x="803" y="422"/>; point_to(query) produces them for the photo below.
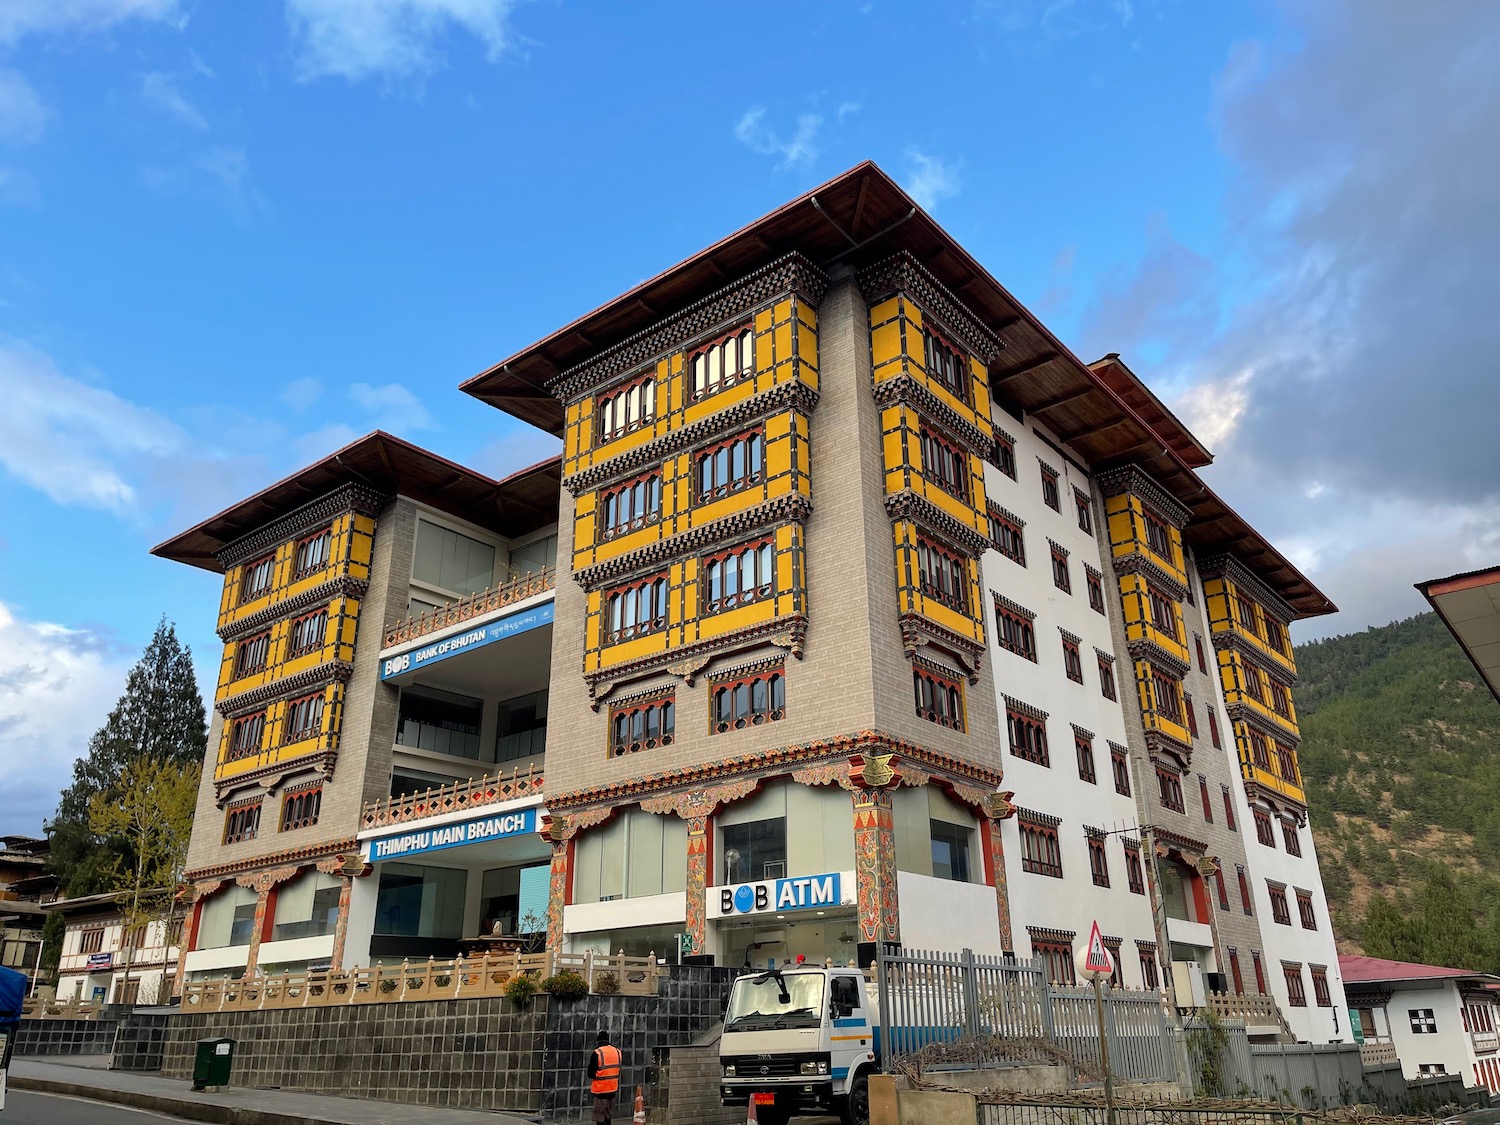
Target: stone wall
<point x="141" y="1042"/>
<point x="474" y="1054"/>
<point x="66" y="1037"/>
<point x="688" y="1086"/>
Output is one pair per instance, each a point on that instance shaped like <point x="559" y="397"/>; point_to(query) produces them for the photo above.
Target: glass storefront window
<point x="534" y="556"/>
<point x="451" y="561"/>
<point x="950" y="851"/>
<point x="521" y="727"/>
<point x="416" y="901"/>
<point x="228" y="918"/>
<point x="754" y="851"/>
<point x="440" y="721"/>
<point x="307" y="907"/>
<point x="516" y="897"/>
<point x="1177" y="893"/>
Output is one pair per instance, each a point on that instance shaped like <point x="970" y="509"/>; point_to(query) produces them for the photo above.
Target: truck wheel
<point x="855" y="1109"/>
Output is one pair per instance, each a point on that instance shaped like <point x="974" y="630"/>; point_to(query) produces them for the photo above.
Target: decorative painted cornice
<point x="347" y="497"/>
<point x="1278" y="803"/>
<point x="916" y="628"/>
<point x="1134" y="479"/>
<point x="1107" y="657"/>
<point x="1081" y="732"/>
<point x="1178" y="840"/>
<point x="1030" y="816"/>
<point x="789" y="274"/>
<point x="1117" y="747"/>
<point x="753" y="668"/>
<point x="1277" y="728"/>
<point x="688" y="661"/>
<point x="1071" y="638"/>
<point x="1015" y="607"/>
<point x="1045" y="933"/>
<point x="791" y="507"/>
<point x="791" y="394"/>
<point x="907" y="505"/>
<point x="901" y="273"/>
<point x="329" y="672"/>
<point x="775" y="763"/>
<point x="1152" y="652"/>
<point x="1021" y="707"/>
<point x="1095" y="833"/>
<point x="291" y="607"/>
<point x="1058" y="548"/>
<point x="1006" y="514"/>
<point x="1139" y="563"/>
<point x="1093" y="572"/>
<point x="1225" y="565"/>
<point x="271" y="778"/>
<point x="906" y="389"/>
<point x="1232" y="640"/>
<point x="222" y="871"/>
<point x="1180" y="754"/>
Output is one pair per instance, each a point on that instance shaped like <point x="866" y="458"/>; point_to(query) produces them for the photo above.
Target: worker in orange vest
<point x="604" y="1078"/>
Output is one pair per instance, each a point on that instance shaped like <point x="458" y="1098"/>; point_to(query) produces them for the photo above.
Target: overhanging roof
<point x="1358" y="969"/>
<point x="1469" y="605"/>
<point x="521" y="503"/>
<point x="859" y="218"/>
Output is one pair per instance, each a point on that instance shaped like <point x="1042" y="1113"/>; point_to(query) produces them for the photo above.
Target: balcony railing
<point x="463" y="979"/>
<point x="518" y="588"/>
<point x="1253" y="1010"/>
<point x="34" y="1008"/>
<point x="1486" y="1041"/>
<point x="1373" y="1053"/>
<point x="461" y="795"/>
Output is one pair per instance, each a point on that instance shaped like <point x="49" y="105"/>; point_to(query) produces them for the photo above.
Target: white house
<point x="99" y="954"/>
<point x="1437" y="1020"/>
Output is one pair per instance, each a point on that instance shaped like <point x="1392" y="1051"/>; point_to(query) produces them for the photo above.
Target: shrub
<point x="566" y="985"/>
<point x="606" y="984"/>
<point x="521" y="989"/>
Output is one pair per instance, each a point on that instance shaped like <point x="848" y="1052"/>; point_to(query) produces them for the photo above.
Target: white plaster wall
<point x="623" y="913"/>
<point x="1072" y="903"/>
<point x="296" y="949"/>
<point x="940" y="914"/>
<point x="1450" y="1046"/>
<point x="225" y="957"/>
<point x="361" y="927"/>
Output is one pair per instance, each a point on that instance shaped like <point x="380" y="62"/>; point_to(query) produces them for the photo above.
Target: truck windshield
<point x="757" y="1002"/>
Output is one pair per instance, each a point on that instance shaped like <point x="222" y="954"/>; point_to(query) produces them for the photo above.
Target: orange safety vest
<point x="606" y="1070"/>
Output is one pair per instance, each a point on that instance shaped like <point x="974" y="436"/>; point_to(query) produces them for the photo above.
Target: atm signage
<point x="806" y="892"/>
<point x="453" y="835"/>
<point x="533" y="618"/>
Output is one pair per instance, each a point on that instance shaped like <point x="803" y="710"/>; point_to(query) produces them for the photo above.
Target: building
<point x="883" y="619"/>
<point x="106" y="961"/>
<point x="325" y="576"/>
<point x="1434" y="1020"/>
<point x="25" y="885"/>
<point x="1469" y="605"/>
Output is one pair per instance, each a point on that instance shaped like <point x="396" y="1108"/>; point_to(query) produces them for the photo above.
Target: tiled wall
<point x="141" y="1042"/>
<point x="66" y="1037"/>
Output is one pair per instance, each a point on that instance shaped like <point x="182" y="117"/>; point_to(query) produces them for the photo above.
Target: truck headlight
<point x="809" y="1068"/>
<point x="729" y="1071"/>
<point x="822" y="1068"/>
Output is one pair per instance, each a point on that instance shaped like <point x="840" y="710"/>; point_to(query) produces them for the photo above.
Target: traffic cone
<point x="640" y="1108"/>
<point x="752" y="1118"/>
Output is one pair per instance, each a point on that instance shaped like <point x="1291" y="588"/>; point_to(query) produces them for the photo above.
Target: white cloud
<point x="24" y="17"/>
<point x="356" y="39"/>
<point x="1213" y="409"/>
<point x="56" y="686"/>
<point x="318" y="444"/>
<point x="753" y="132"/>
<point x="847" y="108"/>
<point x="930" y="179"/>
<point x="22" y="114"/>
<point x="160" y="90"/>
<point x="71" y="440"/>
<point x="302" y="394"/>
<point x="391" y="407"/>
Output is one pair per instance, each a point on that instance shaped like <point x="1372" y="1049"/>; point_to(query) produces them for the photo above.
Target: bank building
<point x="855" y="609"/>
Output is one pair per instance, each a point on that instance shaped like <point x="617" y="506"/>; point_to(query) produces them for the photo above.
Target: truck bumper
<point x="799" y="1095"/>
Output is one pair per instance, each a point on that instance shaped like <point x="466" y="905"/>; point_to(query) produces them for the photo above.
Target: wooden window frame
<point x="310" y="724"/>
<point x="719" y="459"/>
<point x="1260" y="971"/>
<point x="1245" y="609"/>
<point x="1296" y="987"/>
<point x="1107" y="681"/>
<point x="1246" y="904"/>
<point x="301" y="806"/>
<point x="302" y="646"/>
<point x="1119" y="765"/>
<point x="267" y="563"/>
<point x="1281" y="698"/>
<point x="1255" y="684"/>
<point x="241" y="746"/>
<point x="1198" y="645"/>
<point x="1191" y="714"/>
<point x="241" y="821"/>
<point x="770" y="708"/>
<point x="1085" y="511"/>
<point x="301" y="567"/>
<point x="1158" y="537"/>
<point x="1290" y="839"/>
<point x="1213" y="728"/>
<point x="1163" y="612"/>
<point x="1084" y="748"/>
<point x="937" y="568"/>
<point x="1222" y="888"/>
<point x="1228" y="808"/>
<point x="1169" y="789"/>
<point x="761" y="554"/>
<point x="1321" y="996"/>
<point x="944" y="463"/>
<point x="1263" y="830"/>
<point x="661" y="591"/>
<point x="1061" y="578"/>
<point x="1234" y="972"/>
<point x="1072" y="661"/>
<point x="1208" y="805"/>
<point x="1027" y="736"/>
<point x="1307" y="914"/>
<point x="742" y="334"/>
<point x="91" y="940"/>
<point x="604" y="406"/>
<point x="1041" y="851"/>
<point x="611" y="524"/>
<point x="1277" y="638"/>
<point x="1051" y="492"/>
<point x="1166" y="693"/>
<point x="1015" y="632"/>
<point x="1286" y="763"/>
<point x="1135" y="873"/>
<point x="1098" y="861"/>
<point x="1281" y="911"/>
<point x="242" y="666"/>
<point x="665" y="709"/>
<point x="939" y="686"/>
<point x="937" y="364"/>
<point x="1058" y="956"/>
<point x="1008" y="529"/>
<point x="1095" y="584"/>
<point x="1150" y="970"/>
<point x="1005" y="456"/>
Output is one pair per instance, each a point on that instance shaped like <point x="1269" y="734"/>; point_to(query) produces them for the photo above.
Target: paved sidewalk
<point x="86" y="1077"/>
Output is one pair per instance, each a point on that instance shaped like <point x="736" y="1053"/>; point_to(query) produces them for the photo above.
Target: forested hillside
<point x="1401" y="756"/>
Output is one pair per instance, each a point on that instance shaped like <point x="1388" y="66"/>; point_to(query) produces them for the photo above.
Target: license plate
<point x="764" y="1099"/>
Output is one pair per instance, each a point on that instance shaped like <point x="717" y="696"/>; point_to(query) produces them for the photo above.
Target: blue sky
<point x="233" y="236"/>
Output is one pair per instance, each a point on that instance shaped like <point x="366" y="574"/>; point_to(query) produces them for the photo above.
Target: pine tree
<point x="159" y="716"/>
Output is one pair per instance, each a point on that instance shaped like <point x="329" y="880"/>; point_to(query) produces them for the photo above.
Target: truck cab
<point x="799" y="1041"/>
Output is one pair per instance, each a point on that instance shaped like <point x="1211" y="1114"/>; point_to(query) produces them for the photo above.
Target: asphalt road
<point x="25" y="1108"/>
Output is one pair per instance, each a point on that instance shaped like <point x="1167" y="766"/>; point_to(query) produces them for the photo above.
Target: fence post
<point x="971" y="995"/>
<point x="1045" y="995"/>
<point x="883" y="995"/>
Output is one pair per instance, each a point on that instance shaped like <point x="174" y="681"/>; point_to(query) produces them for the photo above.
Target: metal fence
<point x="1002" y="1010"/>
<point x="1062" y="1113"/>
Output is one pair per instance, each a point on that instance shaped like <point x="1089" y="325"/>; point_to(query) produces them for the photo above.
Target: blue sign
<point x="805" y="892"/>
<point x="99" y="961"/>
<point x="524" y="622"/>
<point x="496" y="827"/>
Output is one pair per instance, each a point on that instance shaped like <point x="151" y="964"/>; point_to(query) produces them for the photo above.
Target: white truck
<point x="800" y="1041"/>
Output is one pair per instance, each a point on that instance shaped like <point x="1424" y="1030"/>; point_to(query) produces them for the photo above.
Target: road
<point x="25" y="1108"/>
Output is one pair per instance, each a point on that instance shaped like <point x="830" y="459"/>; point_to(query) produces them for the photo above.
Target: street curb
<point x="176" y="1107"/>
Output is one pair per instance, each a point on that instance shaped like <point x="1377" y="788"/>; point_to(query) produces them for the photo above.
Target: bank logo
<point x="802" y="893"/>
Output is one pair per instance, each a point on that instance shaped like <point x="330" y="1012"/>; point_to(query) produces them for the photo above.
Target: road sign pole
<point x="1109" y="1082"/>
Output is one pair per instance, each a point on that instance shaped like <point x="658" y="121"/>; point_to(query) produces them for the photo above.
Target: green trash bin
<point x="212" y="1062"/>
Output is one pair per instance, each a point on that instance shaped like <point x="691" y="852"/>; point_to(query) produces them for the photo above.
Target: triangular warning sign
<point x="1098" y="959"/>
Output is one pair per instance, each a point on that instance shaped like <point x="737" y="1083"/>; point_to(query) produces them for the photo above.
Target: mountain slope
<point x="1401" y="756"/>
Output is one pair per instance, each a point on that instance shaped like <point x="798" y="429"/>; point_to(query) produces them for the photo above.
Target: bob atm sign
<point x="778" y="896"/>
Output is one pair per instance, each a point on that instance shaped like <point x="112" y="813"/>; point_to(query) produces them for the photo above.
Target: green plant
<point x="520" y="989"/>
<point x="606" y="984"/>
<point x="1209" y="1042"/>
<point x="566" y="985"/>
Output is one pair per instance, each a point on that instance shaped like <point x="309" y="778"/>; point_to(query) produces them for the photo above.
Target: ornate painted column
<point x="559" y="832"/>
<point x="264" y="884"/>
<point x="194" y="893"/>
<point x="993" y="808"/>
<point x="874" y="780"/>
<point x="348" y="868"/>
<point x="697" y="807"/>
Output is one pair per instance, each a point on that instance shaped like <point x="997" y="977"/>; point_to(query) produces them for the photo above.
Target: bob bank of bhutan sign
<point x="497" y="827"/>
<point x="780" y="896"/>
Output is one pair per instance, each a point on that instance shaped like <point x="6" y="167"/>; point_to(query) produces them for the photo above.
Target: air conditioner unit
<point x="776" y="870"/>
<point x="1187" y="982"/>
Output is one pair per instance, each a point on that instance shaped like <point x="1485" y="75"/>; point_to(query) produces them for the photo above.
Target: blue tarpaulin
<point x="12" y="993"/>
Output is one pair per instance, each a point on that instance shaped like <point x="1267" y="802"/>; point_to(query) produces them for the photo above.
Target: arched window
<point x="749" y="701"/>
<point x="723" y="362"/>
